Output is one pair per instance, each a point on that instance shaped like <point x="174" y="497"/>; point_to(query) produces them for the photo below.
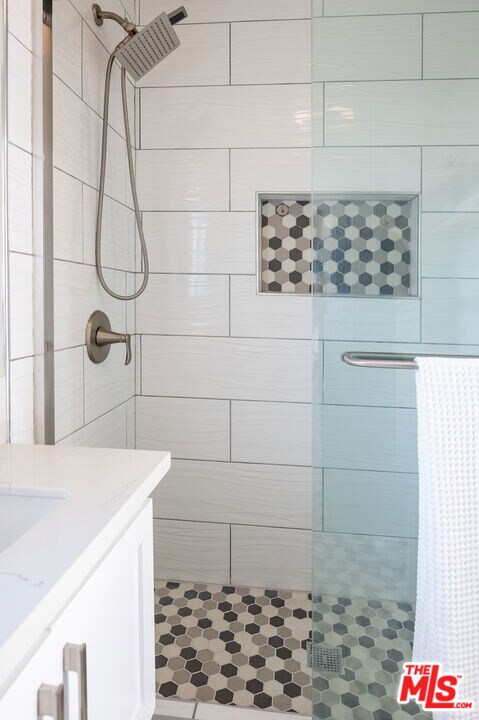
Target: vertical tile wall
<point x="400" y="112"/>
<point x="224" y="375"/>
<point x="24" y="20"/>
<point x="94" y="404"/>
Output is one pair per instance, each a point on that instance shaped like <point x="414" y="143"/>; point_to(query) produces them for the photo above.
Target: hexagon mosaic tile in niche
<point x="355" y="246"/>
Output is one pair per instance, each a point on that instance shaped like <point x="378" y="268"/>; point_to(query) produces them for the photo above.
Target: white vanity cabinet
<point x="112" y="615"/>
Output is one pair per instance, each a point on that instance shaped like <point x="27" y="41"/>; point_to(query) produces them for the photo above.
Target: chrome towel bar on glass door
<point x="399" y="361"/>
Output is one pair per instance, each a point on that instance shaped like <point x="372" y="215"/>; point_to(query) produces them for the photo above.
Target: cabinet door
<point x="113" y="615"/>
<point x="46" y="667"/>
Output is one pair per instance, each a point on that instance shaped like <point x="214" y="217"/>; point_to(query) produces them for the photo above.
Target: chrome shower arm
<point x="100" y="15"/>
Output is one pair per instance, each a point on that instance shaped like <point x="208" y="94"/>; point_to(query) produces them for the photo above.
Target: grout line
<point x="230" y="556"/>
<point x="115" y="407"/>
<point x="300" y="403"/>
<point x="308" y="529"/>
<point x="229" y="181"/>
<point x="422" y="45"/>
<point x="230" y="52"/>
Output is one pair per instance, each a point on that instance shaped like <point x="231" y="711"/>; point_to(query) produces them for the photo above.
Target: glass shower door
<point x="396" y="268"/>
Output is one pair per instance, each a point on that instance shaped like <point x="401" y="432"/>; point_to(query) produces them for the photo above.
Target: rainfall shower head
<point x="144" y="49"/>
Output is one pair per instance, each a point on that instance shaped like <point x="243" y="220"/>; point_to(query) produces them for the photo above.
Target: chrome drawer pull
<point x="74" y="660"/>
<point x="50" y="701"/>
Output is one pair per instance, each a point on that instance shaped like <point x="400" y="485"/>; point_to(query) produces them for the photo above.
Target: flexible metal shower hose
<point x="101" y="190"/>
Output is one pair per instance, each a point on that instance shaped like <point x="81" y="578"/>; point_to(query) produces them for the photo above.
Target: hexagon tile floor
<point x="246" y="647"/>
<point x="233" y="646"/>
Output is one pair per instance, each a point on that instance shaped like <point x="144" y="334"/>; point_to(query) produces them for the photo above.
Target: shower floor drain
<point x="325" y="659"/>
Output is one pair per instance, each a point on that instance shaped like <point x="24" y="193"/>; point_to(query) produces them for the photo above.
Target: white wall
<point x="224" y="375"/>
<point x="24" y="22"/>
<point x="94" y="404"/>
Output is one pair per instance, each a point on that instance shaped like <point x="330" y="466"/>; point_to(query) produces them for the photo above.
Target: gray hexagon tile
<point x="233" y="646"/>
<point x="247" y="647"/>
<point x="358" y="247"/>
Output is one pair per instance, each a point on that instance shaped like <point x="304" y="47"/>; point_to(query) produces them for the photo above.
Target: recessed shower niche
<point x="354" y="245"/>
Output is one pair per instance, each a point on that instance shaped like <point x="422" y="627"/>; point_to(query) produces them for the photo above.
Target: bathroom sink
<point x="21" y="508"/>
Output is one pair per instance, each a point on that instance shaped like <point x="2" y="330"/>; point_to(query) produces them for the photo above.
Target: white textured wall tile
<point x="67" y="45"/>
<point x="77" y="133"/>
<point x="95" y="59"/>
<point x="189" y="429"/>
<point x="372" y="48"/>
<point x="201" y="242"/>
<point x="367" y="169"/>
<point x="20" y="20"/>
<point x="21" y="305"/>
<point x="230" y="10"/>
<point x="202" y="58"/>
<point x="180" y="709"/>
<point x="118" y="232"/>
<point x="68" y="391"/>
<point x="349" y="318"/>
<point x="246" y="494"/>
<point x="109" y="383"/>
<point x="371" y="503"/>
<point x="77" y="295"/>
<point x="443" y="231"/>
<point x="110" y="33"/>
<point x="108" y="431"/>
<point x="367" y="566"/>
<point x="67" y="217"/>
<point x="377" y="438"/>
<point x="115" y="183"/>
<point x="271" y="432"/>
<point x="385" y="7"/>
<point x="223" y="117"/>
<point x="262" y="45"/>
<point x="184" y="305"/>
<point x="450" y="45"/>
<point x="183" y="179"/>
<point x="21" y="401"/>
<point x="192" y="552"/>
<point x="268" y="315"/>
<point x="412" y="113"/>
<point x="268" y="170"/>
<point x="20" y="220"/>
<point x="19" y="94"/>
<point x="449" y="311"/>
<point x="451" y="178"/>
<point x="131" y="424"/>
<point x="229" y="368"/>
<point x="271" y="557"/>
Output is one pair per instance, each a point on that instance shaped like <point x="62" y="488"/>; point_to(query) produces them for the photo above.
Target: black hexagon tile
<point x="357" y="246"/>
<point x="248" y="647"/>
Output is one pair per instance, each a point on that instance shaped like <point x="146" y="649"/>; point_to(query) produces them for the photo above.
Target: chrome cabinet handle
<point x="74" y="660"/>
<point x="50" y="701"/>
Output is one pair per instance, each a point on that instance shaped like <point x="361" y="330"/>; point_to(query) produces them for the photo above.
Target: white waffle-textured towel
<point x="447" y="618"/>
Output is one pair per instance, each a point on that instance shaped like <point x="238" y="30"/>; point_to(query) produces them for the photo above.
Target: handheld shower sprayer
<point x="137" y="54"/>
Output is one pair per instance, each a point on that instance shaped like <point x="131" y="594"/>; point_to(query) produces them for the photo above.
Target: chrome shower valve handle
<point x="99" y="338"/>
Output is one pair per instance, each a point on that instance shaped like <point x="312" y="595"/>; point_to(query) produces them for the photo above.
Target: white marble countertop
<point x="103" y="490"/>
